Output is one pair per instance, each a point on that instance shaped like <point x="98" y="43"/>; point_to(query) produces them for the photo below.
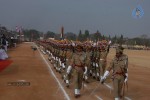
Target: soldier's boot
<point x="101" y="78"/>
<point x="77" y="93"/>
<point x="66" y="80"/>
<point x="59" y="67"/>
<point x="90" y="72"/>
<point x="63" y="77"/>
<point x="54" y="65"/>
<point x="93" y="75"/>
<point x="52" y="61"/>
<point x="98" y="77"/>
<point x="63" y="66"/>
<point x="117" y="99"/>
<point x="86" y="79"/>
<point x="56" y="69"/>
<point x="67" y="83"/>
<point x="49" y="58"/>
<point x="67" y="75"/>
<point x="59" y="70"/>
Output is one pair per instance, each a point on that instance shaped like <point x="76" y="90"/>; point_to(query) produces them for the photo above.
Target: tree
<point x="144" y="37"/>
<point x="114" y="40"/>
<point x="70" y="36"/>
<point x="86" y="35"/>
<point x="80" y="36"/>
<point x="31" y="34"/>
<point x="109" y="38"/>
<point x="120" y="40"/>
<point x="97" y="36"/>
<point x="49" y="34"/>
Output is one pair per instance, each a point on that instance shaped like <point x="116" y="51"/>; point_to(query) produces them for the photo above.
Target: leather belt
<point x="79" y="65"/>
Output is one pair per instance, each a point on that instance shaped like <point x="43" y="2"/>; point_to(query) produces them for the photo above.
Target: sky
<point x="110" y="17"/>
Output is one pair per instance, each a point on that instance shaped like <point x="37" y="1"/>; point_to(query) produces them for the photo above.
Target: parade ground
<point x="30" y="76"/>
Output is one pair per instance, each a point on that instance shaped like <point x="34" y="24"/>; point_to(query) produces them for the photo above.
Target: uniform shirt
<point x="119" y="65"/>
<point x="61" y="53"/>
<point x="78" y="59"/>
<point x="69" y="56"/>
<point x="87" y="57"/>
<point x="103" y="55"/>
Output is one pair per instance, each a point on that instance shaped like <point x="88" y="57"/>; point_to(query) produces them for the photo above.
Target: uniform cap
<point x="119" y="49"/>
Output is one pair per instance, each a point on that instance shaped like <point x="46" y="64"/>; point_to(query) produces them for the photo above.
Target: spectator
<point x="4" y="42"/>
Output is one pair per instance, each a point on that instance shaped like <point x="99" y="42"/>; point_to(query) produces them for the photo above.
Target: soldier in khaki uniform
<point x="78" y="63"/>
<point x="97" y="65"/>
<point x="69" y="55"/>
<point x="119" y="65"/>
<point x="87" y="62"/>
<point x="103" y="58"/>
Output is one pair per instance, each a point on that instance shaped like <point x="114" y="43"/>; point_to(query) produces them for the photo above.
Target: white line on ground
<point x="128" y="98"/>
<point x="108" y="86"/>
<point x="98" y="97"/>
<point x="51" y="71"/>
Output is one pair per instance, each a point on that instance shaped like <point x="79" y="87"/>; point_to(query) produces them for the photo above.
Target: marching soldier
<point x="93" y="61"/>
<point x="119" y="65"/>
<point x="87" y="63"/>
<point x="97" y="63"/>
<point x="78" y="63"/>
<point x="103" y="56"/>
<point x="69" y="70"/>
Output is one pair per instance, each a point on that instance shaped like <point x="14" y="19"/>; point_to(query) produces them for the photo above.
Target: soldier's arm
<point x="126" y="68"/>
<point x="107" y="72"/>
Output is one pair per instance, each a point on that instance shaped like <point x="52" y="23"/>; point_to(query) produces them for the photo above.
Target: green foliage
<point x="70" y="36"/>
<point x="80" y="36"/>
<point x="120" y="40"/>
<point x="86" y="35"/>
<point x="49" y="34"/>
<point x="97" y="36"/>
<point x="31" y="34"/>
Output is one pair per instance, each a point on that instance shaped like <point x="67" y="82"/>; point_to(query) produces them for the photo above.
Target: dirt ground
<point x="46" y="84"/>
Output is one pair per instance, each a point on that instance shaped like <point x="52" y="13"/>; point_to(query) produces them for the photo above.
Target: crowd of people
<point x="3" y="47"/>
<point x="86" y="60"/>
<point x="7" y="40"/>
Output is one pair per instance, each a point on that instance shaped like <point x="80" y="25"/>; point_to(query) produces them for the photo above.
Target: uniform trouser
<point x="90" y="67"/>
<point x="97" y="70"/>
<point x="67" y="75"/>
<point x="78" y="79"/>
<point x="102" y="67"/>
<point x="59" y="67"/>
<point x="118" y="83"/>
<point x="93" y="69"/>
<point x="55" y="63"/>
<point x="88" y="71"/>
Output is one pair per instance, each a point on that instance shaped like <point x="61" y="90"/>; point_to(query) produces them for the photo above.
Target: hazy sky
<point x="108" y="16"/>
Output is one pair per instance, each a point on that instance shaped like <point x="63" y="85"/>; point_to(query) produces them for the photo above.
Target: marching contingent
<point x="85" y="60"/>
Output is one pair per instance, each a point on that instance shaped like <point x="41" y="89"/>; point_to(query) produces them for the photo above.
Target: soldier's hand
<point x="126" y="78"/>
<point x="104" y="76"/>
